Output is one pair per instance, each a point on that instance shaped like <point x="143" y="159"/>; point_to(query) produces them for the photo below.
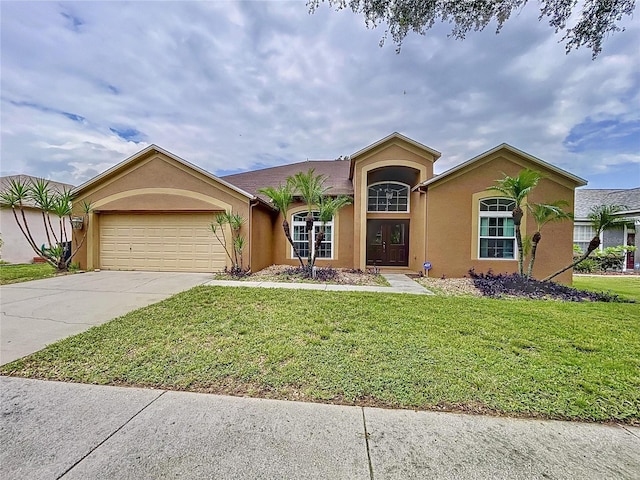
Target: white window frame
<point x="504" y="208"/>
<point x="316" y="228"/>
<point x="580" y="237"/>
<point x="390" y="183"/>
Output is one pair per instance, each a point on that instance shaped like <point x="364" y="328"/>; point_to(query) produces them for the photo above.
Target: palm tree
<point x="235" y="222"/>
<point x="282" y="198"/>
<point x="40" y="193"/>
<point x="19" y="193"/>
<point x="544" y="213"/>
<point x="327" y="208"/>
<point x="14" y="197"/>
<point x="517" y="188"/>
<point x="311" y="189"/>
<point x="601" y="217"/>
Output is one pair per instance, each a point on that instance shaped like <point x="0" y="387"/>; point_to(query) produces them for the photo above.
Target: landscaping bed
<point x="288" y="273"/>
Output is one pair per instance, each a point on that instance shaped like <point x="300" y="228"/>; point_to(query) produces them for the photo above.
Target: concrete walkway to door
<point x="40" y="312"/>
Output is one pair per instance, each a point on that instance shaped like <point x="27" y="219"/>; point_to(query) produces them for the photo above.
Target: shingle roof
<point x="587" y="198"/>
<point x="336" y="171"/>
<point x="5" y="181"/>
<point x="503" y="146"/>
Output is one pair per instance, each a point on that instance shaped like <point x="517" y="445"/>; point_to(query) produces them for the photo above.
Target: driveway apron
<point x="37" y="313"/>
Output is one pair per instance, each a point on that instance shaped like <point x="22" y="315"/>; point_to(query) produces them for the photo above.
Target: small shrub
<point x="306" y="273"/>
<point x="514" y="285"/>
<point x="611" y="258"/>
<point x="74" y="266"/>
<point x="237" y="272"/>
<point x="589" y="265"/>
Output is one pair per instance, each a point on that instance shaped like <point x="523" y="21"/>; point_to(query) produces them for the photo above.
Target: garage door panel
<point x="169" y="242"/>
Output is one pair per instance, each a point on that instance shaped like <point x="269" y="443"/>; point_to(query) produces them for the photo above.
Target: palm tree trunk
<point x="46" y="229"/>
<point x="593" y="244"/>
<point x="53" y="230"/>
<point x="73" y="254"/>
<point x="520" y="251"/>
<point x="309" y="228"/>
<point x="287" y="233"/>
<point x="27" y="235"/>
<point x="517" y="220"/>
<point x="319" y="240"/>
<point x="534" y="247"/>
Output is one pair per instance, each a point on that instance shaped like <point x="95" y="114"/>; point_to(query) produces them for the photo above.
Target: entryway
<point x="630" y="256"/>
<point x="388" y="243"/>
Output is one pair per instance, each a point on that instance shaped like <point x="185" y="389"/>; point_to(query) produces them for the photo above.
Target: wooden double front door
<point x="388" y="243"/>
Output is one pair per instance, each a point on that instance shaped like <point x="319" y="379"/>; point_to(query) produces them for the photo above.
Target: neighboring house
<point x="152" y="212"/>
<point x="15" y="248"/>
<point x="586" y="199"/>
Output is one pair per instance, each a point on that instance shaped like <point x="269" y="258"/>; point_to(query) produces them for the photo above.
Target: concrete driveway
<point x="37" y="313"/>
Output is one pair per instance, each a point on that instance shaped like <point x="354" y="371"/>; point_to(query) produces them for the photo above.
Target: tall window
<point x="301" y="238"/>
<point x="388" y="197"/>
<point x="497" y="232"/>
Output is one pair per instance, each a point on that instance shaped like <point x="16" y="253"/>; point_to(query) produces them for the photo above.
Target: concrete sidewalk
<point x="398" y="283"/>
<point x="53" y="430"/>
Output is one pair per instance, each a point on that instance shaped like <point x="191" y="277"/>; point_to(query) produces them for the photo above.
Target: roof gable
<point x="394" y="139"/>
<point x="143" y="155"/>
<point x="475" y="161"/>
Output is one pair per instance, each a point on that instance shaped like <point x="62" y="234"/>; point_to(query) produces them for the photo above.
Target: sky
<point x="236" y="86"/>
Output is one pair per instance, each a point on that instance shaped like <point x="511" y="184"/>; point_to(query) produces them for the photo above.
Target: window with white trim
<point x="388" y="197"/>
<point x="301" y="238"/>
<point x="582" y="235"/>
<point x="497" y="233"/>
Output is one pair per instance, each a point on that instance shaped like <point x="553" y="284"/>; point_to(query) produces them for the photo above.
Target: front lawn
<point x="520" y="357"/>
<point x="10" y="273"/>
<point x="627" y="286"/>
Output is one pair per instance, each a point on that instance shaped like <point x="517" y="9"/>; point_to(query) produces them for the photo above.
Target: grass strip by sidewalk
<point x="626" y="286"/>
<point x="25" y="272"/>
<point x="519" y="357"/>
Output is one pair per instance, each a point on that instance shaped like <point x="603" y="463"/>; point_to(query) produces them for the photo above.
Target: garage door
<point x="166" y="243"/>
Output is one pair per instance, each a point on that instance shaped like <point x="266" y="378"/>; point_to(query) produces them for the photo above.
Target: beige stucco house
<point x="153" y="210"/>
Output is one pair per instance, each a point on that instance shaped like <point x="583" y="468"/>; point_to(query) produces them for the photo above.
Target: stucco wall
<point x="154" y="183"/>
<point x="613" y="237"/>
<point x="343" y="240"/>
<point x="452" y="221"/>
<point x="396" y="154"/>
<point x="15" y="248"/>
<point x="264" y="228"/>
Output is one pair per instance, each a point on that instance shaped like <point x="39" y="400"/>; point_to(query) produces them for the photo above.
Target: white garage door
<point x="165" y="243"/>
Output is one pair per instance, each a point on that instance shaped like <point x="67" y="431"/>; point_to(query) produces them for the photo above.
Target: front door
<point x="631" y="241"/>
<point x="388" y="243"/>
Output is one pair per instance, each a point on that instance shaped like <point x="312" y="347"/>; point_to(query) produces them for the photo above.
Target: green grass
<point x="625" y="286"/>
<point x="521" y="357"/>
<point x="10" y="273"/>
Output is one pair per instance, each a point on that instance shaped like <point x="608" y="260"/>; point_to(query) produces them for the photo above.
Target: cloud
<point x="256" y="84"/>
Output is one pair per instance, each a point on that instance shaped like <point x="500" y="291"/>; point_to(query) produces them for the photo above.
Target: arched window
<point x="497" y="232"/>
<point x="388" y="197"/>
<point x="301" y="239"/>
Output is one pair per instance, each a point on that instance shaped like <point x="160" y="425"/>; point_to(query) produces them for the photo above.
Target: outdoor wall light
<point x="77" y="223"/>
